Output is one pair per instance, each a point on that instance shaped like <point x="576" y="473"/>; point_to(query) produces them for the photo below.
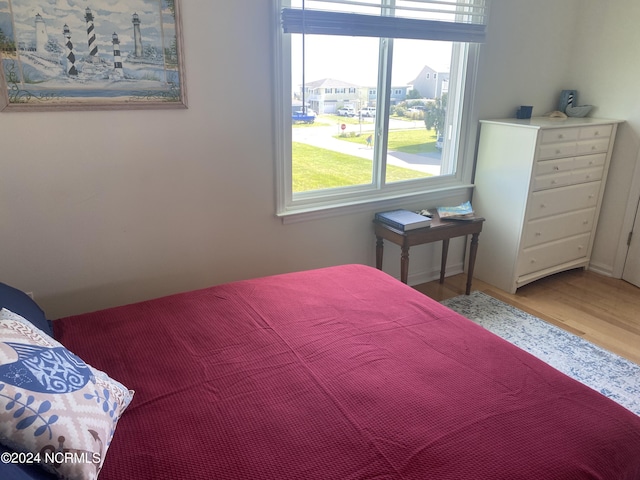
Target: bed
<point x="337" y="373"/>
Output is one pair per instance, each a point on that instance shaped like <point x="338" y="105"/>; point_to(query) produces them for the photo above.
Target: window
<point x="379" y="151"/>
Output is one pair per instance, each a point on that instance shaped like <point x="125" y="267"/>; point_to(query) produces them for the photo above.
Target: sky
<point x="355" y="59"/>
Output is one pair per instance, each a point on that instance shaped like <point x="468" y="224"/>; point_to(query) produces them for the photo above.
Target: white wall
<point x="525" y="59"/>
<point x="605" y="71"/>
<point x="105" y="208"/>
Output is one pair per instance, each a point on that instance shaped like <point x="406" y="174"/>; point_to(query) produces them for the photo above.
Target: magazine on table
<point x="463" y="211"/>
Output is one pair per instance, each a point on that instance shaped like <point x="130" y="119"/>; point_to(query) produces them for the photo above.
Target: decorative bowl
<point x="579" y="111"/>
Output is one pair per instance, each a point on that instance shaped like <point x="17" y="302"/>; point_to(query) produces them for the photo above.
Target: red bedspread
<point x="339" y="373"/>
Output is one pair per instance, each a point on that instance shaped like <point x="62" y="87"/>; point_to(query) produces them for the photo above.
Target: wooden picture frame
<point x="102" y="55"/>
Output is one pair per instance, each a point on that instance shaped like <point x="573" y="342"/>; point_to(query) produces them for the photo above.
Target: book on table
<point x="463" y="211"/>
<point x="403" y="220"/>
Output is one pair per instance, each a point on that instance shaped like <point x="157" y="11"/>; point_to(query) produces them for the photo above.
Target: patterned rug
<point x="609" y="374"/>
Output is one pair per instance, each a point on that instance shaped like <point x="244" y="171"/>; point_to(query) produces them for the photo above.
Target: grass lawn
<point x="407" y="141"/>
<point x="316" y="168"/>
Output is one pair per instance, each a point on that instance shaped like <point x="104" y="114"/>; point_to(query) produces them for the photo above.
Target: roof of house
<point x="426" y="69"/>
<point x="330" y="83"/>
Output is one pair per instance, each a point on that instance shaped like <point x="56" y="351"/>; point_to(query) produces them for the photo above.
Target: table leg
<point x="404" y="264"/>
<point x="443" y="261"/>
<point x="473" y="250"/>
<point x="379" y="252"/>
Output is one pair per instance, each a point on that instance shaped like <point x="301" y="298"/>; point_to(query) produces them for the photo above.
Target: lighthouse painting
<point x="90" y="54"/>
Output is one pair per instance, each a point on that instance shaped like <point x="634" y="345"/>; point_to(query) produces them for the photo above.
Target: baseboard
<point x="431" y="275"/>
<point x="606" y="270"/>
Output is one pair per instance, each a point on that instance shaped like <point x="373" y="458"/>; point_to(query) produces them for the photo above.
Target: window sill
<point x="431" y="198"/>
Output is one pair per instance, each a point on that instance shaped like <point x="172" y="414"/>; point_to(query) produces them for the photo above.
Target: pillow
<point x="19" y="302"/>
<point x="59" y="411"/>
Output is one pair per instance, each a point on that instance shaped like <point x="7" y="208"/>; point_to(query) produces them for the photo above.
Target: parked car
<point x="368" y="112"/>
<point x="347" y="111"/>
<point x="301" y="117"/>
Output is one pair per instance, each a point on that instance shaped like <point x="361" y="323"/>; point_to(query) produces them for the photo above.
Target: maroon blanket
<point x="339" y="373"/>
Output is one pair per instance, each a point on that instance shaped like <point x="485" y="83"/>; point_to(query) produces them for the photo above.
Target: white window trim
<point x="309" y="205"/>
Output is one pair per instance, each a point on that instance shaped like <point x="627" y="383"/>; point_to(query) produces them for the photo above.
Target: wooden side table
<point x="439" y="230"/>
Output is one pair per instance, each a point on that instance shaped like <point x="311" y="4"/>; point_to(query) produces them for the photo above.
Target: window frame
<point x="319" y="204"/>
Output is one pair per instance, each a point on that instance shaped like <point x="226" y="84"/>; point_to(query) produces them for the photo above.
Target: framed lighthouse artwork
<point x="90" y="55"/>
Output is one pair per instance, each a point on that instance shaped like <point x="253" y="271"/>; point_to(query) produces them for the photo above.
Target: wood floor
<point x="603" y="310"/>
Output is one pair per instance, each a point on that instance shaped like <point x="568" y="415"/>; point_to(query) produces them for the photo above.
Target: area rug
<point x="605" y="372"/>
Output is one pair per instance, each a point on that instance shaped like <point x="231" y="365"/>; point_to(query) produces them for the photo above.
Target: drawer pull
<point x="558" y="151"/>
<point x="553" y="182"/>
<point x="591" y="196"/>
<point x="580" y="247"/>
<point x="538" y="234"/>
<point x="556" y="168"/>
<point x="561" y="136"/>
<point x="586" y="222"/>
<point x="533" y="260"/>
<point x="596" y="133"/>
<point x="593" y="147"/>
<point x="543" y="205"/>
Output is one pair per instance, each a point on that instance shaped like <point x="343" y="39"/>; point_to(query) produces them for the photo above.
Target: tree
<point x="436" y="114"/>
<point x="413" y="94"/>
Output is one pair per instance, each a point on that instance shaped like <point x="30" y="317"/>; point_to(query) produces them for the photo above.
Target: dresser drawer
<point x="564" y="199"/>
<point x="553" y="180"/>
<point x="585" y="161"/>
<point x="556" y="135"/>
<point x="554" y="166"/>
<point x="596" y="131"/>
<point x="556" y="227"/>
<point x="552" y="254"/>
<point x="557" y="150"/>
<point x="582" y="175"/>
<point x="592" y="146"/>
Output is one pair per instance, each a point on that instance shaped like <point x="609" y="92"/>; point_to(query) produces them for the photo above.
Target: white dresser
<point x="539" y="185"/>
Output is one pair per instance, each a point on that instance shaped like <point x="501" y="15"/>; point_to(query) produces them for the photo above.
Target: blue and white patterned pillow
<point x="54" y="408"/>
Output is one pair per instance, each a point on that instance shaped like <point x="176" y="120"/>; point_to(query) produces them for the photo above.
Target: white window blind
<point x="446" y="20"/>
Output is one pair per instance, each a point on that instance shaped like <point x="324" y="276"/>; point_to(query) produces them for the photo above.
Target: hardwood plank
<point x="602" y="310"/>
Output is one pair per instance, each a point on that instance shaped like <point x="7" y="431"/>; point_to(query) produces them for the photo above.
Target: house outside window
<point x="387" y="157"/>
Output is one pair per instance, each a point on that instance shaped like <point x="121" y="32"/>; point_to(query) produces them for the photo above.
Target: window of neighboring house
<point x="328" y="90"/>
<point x="339" y="90"/>
<point x="373" y="155"/>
